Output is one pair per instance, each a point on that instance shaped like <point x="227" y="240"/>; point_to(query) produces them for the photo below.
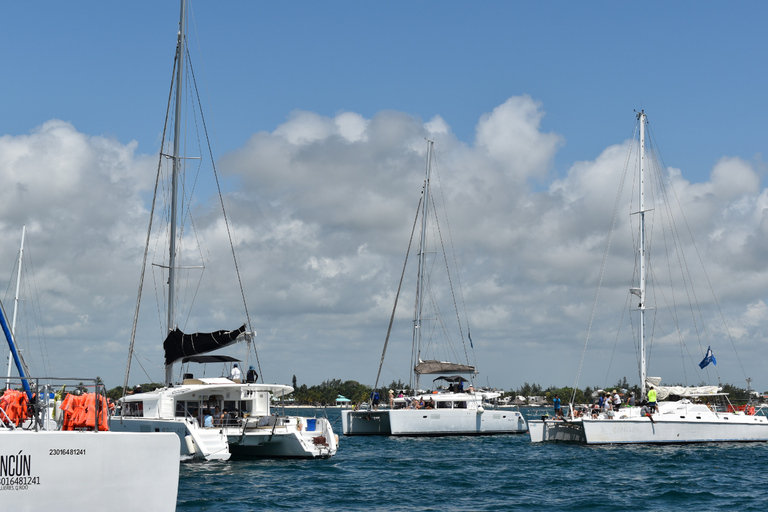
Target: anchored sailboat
<point x="457" y="410"/>
<point x="693" y="418"/>
<point x="216" y="418"/>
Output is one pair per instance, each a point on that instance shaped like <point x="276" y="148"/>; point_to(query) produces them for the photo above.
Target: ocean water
<point x="497" y="473"/>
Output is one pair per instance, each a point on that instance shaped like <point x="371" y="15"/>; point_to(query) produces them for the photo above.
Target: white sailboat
<point x="249" y="429"/>
<point x="453" y="411"/>
<point x="43" y="467"/>
<point x="693" y="417"/>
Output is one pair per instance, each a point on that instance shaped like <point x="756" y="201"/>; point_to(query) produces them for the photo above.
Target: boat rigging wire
<point x="226" y="220"/>
<point x="149" y="234"/>
<point x="447" y="269"/>
<point x="397" y="296"/>
<point x="614" y="216"/>
<point x="706" y="275"/>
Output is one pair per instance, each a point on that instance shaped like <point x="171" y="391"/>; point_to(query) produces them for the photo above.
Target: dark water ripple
<point x="497" y="473"/>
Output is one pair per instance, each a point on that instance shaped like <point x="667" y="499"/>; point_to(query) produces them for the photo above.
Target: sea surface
<point x="493" y="473"/>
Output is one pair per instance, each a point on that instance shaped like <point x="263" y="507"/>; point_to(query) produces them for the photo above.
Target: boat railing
<point x="5" y="421"/>
<point x="47" y="394"/>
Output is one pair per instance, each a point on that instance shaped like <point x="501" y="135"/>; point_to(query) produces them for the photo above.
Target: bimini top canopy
<point x="454" y="378"/>
<point x="210" y="359"/>
<point x="442" y="367"/>
<point x="178" y="344"/>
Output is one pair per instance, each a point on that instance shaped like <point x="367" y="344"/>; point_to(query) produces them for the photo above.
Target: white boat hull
<point x="284" y="441"/>
<point x="556" y="430"/>
<point x="195" y="442"/>
<point x="76" y="471"/>
<point x="678" y="422"/>
<point x="221" y="443"/>
<point x="432" y="422"/>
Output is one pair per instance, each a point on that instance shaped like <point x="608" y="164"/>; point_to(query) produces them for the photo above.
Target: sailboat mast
<point x="15" y="306"/>
<point x="641" y="116"/>
<point x="174" y="180"/>
<point x="422" y="259"/>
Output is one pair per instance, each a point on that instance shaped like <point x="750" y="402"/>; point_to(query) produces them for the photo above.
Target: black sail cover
<point x="178" y="344"/>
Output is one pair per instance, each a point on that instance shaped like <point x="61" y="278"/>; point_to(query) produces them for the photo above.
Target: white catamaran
<point x="453" y="411"/>
<point x="693" y="417"/>
<point x="216" y="418"/>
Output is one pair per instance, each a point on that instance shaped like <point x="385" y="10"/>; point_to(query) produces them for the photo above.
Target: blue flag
<point x="470" y="339"/>
<point x="709" y="358"/>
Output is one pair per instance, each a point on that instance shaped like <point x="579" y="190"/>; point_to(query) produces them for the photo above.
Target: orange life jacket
<point x="68" y="406"/>
<point x="90" y="419"/>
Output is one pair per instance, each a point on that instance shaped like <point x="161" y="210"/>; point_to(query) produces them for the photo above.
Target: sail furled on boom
<point x="432" y="366"/>
<point x="178" y="344"/>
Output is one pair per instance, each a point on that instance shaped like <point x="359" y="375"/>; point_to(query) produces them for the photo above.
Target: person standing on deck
<point x="375" y="400"/>
<point x="652" y="399"/>
<point x="556" y="403"/>
<point x="235" y="373"/>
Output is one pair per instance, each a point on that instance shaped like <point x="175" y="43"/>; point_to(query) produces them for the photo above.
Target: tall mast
<point x="15" y="306"/>
<point x="641" y="116"/>
<point x="174" y="180"/>
<point x="422" y="259"/>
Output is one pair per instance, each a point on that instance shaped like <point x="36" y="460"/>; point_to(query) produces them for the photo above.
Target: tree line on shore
<point x="326" y="393"/>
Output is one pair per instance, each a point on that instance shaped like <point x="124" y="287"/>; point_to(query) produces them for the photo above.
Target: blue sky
<point x="315" y="107"/>
<point x="698" y="67"/>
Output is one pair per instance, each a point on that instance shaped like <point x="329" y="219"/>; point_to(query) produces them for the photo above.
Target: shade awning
<point x="453" y="378"/>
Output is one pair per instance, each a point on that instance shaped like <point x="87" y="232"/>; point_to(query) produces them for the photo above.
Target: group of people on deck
<point x="250" y="377"/>
<point x="609" y="403"/>
<point x="422" y="404"/>
<point x="218" y="418"/>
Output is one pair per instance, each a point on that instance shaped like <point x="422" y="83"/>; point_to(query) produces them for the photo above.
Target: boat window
<point x="460" y="405"/>
<point x="189" y="408"/>
<point x="134" y="409"/>
<point x="443" y="405"/>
